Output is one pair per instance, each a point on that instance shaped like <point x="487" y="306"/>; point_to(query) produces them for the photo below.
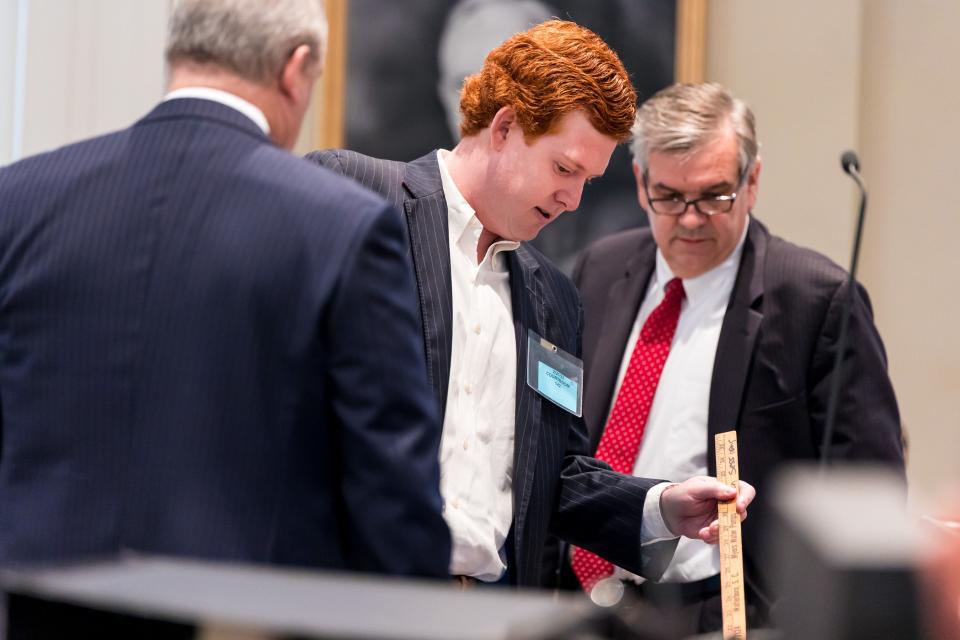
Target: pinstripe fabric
<point x="426" y="217"/>
<point x="201" y="354"/>
<point x="773" y="363"/>
<point x="555" y="488"/>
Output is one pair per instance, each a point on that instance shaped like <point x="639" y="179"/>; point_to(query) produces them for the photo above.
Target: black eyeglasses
<point x="708" y="205"/>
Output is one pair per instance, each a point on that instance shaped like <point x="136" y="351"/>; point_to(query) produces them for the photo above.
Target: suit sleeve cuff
<point x="653" y="528"/>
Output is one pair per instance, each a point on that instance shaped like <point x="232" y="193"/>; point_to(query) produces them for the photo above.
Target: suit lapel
<point x="529" y="311"/>
<point x="623" y="302"/>
<point x="426" y="211"/>
<point x="738" y="337"/>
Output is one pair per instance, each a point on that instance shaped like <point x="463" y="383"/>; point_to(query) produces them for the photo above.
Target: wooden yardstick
<point x="731" y="545"/>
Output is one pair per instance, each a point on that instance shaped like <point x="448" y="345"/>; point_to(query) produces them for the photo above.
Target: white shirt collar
<point x="715" y="279"/>
<point x="461" y="216"/>
<point x="227" y="99"/>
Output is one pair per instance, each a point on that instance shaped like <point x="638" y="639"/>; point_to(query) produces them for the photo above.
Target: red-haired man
<point x="501" y="325"/>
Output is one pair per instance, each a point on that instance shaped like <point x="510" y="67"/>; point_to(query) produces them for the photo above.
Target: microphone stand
<point x="851" y="166"/>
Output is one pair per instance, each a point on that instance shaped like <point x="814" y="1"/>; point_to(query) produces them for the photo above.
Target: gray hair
<point x="471" y="30"/>
<point x="251" y="38"/>
<point x="529" y="12"/>
<point x="684" y="117"/>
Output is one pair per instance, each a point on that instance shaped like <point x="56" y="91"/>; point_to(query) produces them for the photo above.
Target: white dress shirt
<point x="223" y="97"/>
<point x="476" y="449"/>
<point x="674" y="445"/>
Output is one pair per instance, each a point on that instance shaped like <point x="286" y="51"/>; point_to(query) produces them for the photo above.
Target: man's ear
<point x="753" y="184"/>
<point x="641" y="192"/>
<point x="504" y="124"/>
<point x="298" y="74"/>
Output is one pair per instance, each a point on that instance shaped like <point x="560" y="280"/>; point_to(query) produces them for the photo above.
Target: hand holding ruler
<point x="731" y="545"/>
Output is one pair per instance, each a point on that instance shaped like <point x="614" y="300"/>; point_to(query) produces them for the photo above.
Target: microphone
<point x="850" y="162"/>
<point x="851" y="166"/>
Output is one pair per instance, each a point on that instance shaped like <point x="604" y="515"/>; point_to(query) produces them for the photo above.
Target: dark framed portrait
<point x="404" y="62"/>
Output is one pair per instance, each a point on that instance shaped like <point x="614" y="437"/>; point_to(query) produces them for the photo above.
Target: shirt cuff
<point x="653" y="528"/>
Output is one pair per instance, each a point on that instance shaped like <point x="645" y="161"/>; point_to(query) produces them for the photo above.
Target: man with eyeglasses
<point x="747" y="324"/>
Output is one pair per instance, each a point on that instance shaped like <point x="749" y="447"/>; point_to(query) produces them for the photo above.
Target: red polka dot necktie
<point x="620" y="442"/>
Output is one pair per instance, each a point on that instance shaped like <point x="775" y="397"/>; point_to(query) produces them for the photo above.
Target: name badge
<point x="554" y="374"/>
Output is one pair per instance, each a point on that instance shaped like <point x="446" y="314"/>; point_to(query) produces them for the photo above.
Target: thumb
<point x="711" y="488"/>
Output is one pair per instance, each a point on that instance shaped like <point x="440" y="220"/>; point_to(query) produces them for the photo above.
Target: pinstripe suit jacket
<point x="202" y="355"/>
<point x="556" y="489"/>
<point x="773" y="365"/>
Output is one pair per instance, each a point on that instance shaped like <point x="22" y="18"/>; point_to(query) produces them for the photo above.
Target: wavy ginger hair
<point x="546" y="72"/>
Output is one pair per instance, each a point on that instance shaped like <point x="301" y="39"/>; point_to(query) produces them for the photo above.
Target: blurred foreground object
<point x="163" y="598"/>
<point x="845" y="553"/>
<point x="940" y="577"/>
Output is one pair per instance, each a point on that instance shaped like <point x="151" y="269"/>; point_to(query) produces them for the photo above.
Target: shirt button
<point x="468" y="388"/>
<point x="476" y="329"/>
<point x="466" y="443"/>
<point x="455" y="503"/>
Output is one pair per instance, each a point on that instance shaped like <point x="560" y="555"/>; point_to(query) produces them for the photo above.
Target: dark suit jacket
<point x="773" y="365"/>
<point x="203" y="354"/>
<point x="555" y="488"/>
